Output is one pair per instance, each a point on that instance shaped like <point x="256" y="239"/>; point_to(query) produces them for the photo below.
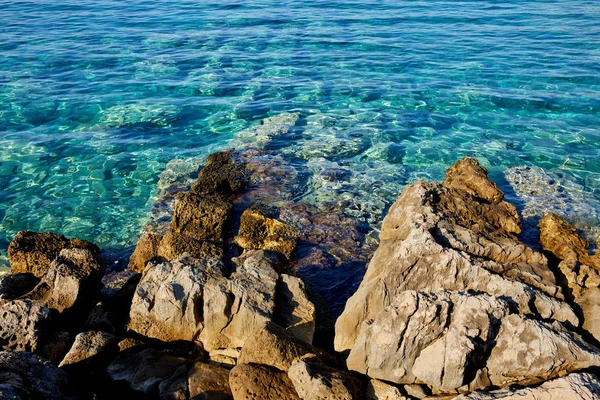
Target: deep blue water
<point x="97" y="96"/>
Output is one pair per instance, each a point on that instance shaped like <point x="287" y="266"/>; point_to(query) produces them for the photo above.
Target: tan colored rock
<point x="581" y="386"/>
<point x="167" y="304"/>
<point x="260" y="230"/>
<point x="378" y="390"/>
<point x="272" y="345"/>
<point x="529" y="351"/>
<point x="174" y="245"/>
<point x="145" y="250"/>
<point x="24" y="326"/>
<point x="438" y="238"/>
<point x="469" y="176"/>
<point x="207" y="381"/>
<point x="294" y="310"/>
<point x="202" y="217"/>
<point x="33" y="252"/>
<point x="313" y="380"/>
<point x="90" y="351"/>
<point x="259" y="382"/>
<point x="71" y="282"/>
<point x="434" y="338"/>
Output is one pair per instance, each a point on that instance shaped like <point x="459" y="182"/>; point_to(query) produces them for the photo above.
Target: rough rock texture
<point x="582" y="386"/>
<point x="24" y="325"/>
<point x="167" y="304"/>
<point x="293" y="309"/>
<point x="378" y="390"/>
<point x="72" y="281"/>
<point x="260" y="230"/>
<point x="34" y="251"/>
<point x="580" y="269"/>
<point x="430" y="337"/>
<point x="259" y="382"/>
<point x="202" y="217"/>
<point x="315" y="381"/>
<point x="174" y="245"/>
<point x="462" y="237"/>
<point x="16" y="285"/>
<point x="27" y="376"/>
<point x="221" y="175"/>
<point x="145" y="250"/>
<point x="272" y="345"/>
<point x="208" y="382"/>
<point x="90" y="351"/>
<point x="529" y="351"/>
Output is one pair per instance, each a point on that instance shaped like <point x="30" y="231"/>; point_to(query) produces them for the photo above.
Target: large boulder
<point x="90" y="351"/>
<point x="25" y="325"/>
<point x="33" y="252"/>
<point x="203" y="217"/>
<point x="27" y="376"/>
<point x="16" y="285"/>
<point x="294" y="310"/>
<point x="259" y="382"/>
<point x="580" y="269"/>
<point x="145" y="250"/>
<point x="582" y="386"/>
<point x="208" y="382"/>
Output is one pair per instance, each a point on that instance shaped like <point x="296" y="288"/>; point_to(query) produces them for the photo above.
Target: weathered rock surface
<point x="260" y="230"/>
<point x="90" y="351"/>
<point x="315" y="381"/>
<point x="580" y="269"/>
<point x="25" y="325"/>
<point x="72" y="281"/>
<point x="378" y="390"/>
<point x="259" y="382"/>
<point x="208" y="382"/>
<point x="145" y="250"/>
<point x="582" y="386"/>
<point x="202" y="217"/>
<point x="27" y="376"/>
<point x="33" y="252"/>
<point x="293" y="309"/>
<point x="16" y="285"/>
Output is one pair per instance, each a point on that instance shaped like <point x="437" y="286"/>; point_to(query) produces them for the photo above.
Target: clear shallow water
<point x="96" y="97"/>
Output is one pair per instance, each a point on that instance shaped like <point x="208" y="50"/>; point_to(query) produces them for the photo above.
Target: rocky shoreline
<point x="236" y="290"/>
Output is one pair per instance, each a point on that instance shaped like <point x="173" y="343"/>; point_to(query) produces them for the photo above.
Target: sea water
<point x="97" y="96"/>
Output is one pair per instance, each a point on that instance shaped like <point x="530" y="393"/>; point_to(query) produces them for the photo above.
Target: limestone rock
<point x="294" y="311"/>
<point x="174" y="245"/>
<point x="315" y="381"/>
<point x="259" y="382"/>
<point x="438" y="338"/>
<point x="439" y="238"/>
<point x="529" y="351"/>
<point x="580" y="269"/>
<point x="272" y="345"/>
<point x="581" y="386"/>
<point x="16" y="285"/>
<point x="145" y="250"/>
<point x="378" y="390"/>
<point x="208" y="382"/>
<point x="221" y="175"/>
<point x="469" y="176"/>
<point x="260" y="230"/>
<point x="203" y="217"/>
<point x="72" y="281"/>
<point x="26" y="376"/>
<point x="24" y="325"/>
<point x="143" y="369"/>
<point x="34" y="251"/>
<point x="167" y="304"/>
<point x="90" y="351"/>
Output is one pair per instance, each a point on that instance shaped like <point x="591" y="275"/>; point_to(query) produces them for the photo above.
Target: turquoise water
<point x="96" y="97"/>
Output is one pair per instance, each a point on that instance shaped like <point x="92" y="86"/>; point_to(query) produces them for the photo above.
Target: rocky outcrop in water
<point x="233" y="287"/>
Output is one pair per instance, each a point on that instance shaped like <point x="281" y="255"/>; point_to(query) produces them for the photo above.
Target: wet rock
<point x="202" y="217"/>
<point x="33" y="252"/>
<point x="378" y="390"/>
<point x="221" y="175"/>
<point x="580" y="269"/>
<point x="294" y="310"/>
<point x="174" y="245"/>
<point x="272" y="345"/>
<point x="146" y="250"/>
<point x="208" y="382"/>
<point x="259" y="382"/>
<point x="142" y="370"/>
<point x="91" y="351"/>
<point x="581" y="386"/>
<point x="25" y="325"/>
<point x="467" y="175"/>
<point x="167" y="304"/>
<point x="436" y="237"/>
<point x="260" y="230"/>
<point x="529" y="351"/>
<point x="27" y="376"/>
<point x="315" y="381"/>
<point x="71" y="283"/>
<point x="438" y="338"/>
<point x="16" y="285"/>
